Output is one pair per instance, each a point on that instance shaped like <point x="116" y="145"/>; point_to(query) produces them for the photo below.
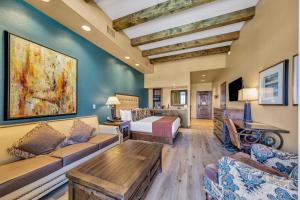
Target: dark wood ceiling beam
<point x="193" y="54"/>
<point x="195" y="43"/>
<point x="162" y="9"/>
<point x="215" y="22"/>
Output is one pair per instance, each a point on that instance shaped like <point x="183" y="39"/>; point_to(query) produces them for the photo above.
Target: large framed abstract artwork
<point x="273" y="85"/>
<point x="39" y="81"/>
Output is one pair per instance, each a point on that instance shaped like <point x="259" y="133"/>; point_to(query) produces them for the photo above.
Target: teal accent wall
<point x="100" y="74"/>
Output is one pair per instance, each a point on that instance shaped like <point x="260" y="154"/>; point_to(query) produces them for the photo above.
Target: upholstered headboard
<point x="127" y="102"/>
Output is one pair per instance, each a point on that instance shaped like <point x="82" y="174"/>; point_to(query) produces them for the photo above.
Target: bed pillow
<point x="147" y="112"/>
<point x="80" y="132"/>
<point x="137" y="114"/>
<point x="134" y="115"/>
<point x="128" y="115"/>
<point x="41" y="140"/>
<point x="123" y="115"/>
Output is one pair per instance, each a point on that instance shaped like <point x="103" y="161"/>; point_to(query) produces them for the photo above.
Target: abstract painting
<point x="39" y="81"/>
<point x="273" y="85"/>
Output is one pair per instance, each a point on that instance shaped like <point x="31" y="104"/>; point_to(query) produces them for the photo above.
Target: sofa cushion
<point x="40" y="140"/>
<point x="74" y="152"/>
<point x="80" y="132"/>
<point x="104" y="140"/>
<point x="23" y="172"/>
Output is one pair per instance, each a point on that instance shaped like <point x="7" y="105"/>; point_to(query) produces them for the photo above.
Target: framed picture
<point x="295" y="79"/>
<point x="39" y="81"/>
<point x="273" y="85"/>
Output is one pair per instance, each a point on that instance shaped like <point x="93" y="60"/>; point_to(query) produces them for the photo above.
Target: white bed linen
<point x="145" y="125"/>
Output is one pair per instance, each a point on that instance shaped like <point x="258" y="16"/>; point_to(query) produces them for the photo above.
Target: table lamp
<point x="247" y="95"/>
<point x="112" y="101"/>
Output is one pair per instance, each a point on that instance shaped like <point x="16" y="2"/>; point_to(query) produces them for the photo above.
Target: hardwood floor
<point x="183" y="165"/>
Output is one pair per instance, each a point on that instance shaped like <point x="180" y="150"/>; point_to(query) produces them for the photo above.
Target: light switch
<point x="94" y="106"/>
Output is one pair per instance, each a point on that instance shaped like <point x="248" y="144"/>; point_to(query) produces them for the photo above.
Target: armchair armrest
<point x="250" y="183"/>
<point x="279" y="160"/>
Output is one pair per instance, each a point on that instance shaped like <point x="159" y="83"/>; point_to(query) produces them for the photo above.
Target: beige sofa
<point x="33" y="178"/>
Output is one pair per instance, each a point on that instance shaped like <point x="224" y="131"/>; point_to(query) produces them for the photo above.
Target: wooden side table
<point x="124" y="127"/>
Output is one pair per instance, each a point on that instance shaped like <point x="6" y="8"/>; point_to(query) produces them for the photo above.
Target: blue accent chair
<point x="238" y="180"/>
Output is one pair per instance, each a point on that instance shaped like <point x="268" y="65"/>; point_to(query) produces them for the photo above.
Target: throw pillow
<point x="140" y="114"/>
<point x="41" y="140"/>
<point x="147" y="112"/>
<point x="80" y="132"/>
<point x="134" y="115"/>
<point x="13" y="151"/>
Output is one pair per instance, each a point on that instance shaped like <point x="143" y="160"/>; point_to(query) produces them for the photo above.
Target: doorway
<point x="204" y="105"/>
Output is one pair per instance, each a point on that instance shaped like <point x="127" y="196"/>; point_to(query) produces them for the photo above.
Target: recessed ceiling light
<point x="202" y="80"/>
<point x="203" y="75"/>
<point x="86" y="28"/>
<point x="137" y="64"/>
<point x="46" y="1"/>
<point x="127" y="57"/>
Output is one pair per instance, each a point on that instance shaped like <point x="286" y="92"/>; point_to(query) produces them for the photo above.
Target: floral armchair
<point x="237" y="180"/>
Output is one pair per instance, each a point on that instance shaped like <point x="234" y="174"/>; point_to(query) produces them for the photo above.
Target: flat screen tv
<point x="234" y="88"/>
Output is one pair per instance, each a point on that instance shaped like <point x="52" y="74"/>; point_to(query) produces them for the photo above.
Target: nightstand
<point x="124" y="127"/>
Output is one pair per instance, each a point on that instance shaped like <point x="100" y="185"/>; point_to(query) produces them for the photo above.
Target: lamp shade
<point x="112" y="101"/>
<point x="248" y="94"/>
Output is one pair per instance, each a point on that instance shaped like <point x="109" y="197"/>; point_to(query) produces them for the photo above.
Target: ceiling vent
<point x="110" y="31"/>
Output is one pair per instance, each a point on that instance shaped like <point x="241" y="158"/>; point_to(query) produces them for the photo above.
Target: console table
<point x="270" y="135"/>
<point x="220" y="130"/>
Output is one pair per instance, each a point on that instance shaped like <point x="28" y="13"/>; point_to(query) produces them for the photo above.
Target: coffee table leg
<point x="160" y="165"/>
<point x="71" y="194"/>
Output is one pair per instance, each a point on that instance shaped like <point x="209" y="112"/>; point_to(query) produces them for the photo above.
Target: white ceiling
<point x="119" y="8"/>
<point x="205" y="76"/>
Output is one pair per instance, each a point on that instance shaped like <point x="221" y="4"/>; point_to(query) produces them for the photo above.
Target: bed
<point x="161" y="129"/>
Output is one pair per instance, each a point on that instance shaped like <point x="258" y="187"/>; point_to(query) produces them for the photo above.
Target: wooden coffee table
<point x="125" y="171"/>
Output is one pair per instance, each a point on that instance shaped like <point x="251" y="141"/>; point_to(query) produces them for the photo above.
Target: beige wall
<point x="194" y="89"/>
<point x="178" y="72"/>
<point x="270" y="37"/>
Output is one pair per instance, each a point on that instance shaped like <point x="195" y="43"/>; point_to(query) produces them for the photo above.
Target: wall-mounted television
<point x="234" y="88"/>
